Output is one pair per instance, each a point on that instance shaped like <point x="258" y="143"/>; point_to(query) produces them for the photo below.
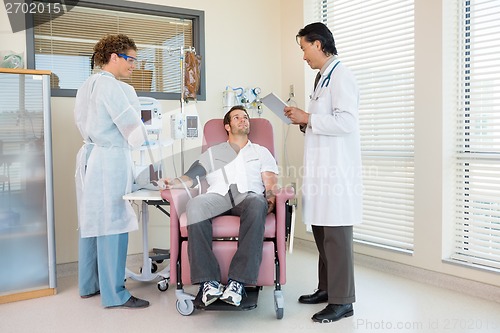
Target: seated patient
<point x="242" y="177"/>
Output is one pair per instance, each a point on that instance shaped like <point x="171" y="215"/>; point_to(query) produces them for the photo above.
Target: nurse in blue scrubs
<point x="107" y="115"/>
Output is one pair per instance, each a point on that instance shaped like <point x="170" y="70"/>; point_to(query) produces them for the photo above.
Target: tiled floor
<point x="385" y="303"/>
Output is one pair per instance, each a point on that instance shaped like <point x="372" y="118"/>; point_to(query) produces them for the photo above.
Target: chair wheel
<point x="279" y="303"/>
<point x="185" y="307"/>
<point x="279" y="313"/>
<point x="163" y="285"/>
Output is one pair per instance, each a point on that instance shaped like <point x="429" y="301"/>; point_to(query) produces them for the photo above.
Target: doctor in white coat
<point x="332" y="180"/>
<point x="107" y="116"/>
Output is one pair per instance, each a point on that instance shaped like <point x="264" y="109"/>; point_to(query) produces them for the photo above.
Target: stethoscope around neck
<point x="325" y="82"/>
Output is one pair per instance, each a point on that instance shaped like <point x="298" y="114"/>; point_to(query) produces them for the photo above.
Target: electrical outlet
<point x="291" y="93"/>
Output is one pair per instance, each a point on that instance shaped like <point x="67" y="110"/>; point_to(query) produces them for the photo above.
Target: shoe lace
<point x="210" y="284"/>
<point x="236" y="287"/>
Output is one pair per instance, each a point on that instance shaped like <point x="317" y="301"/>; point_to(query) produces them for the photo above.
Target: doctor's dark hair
<point x="319" y="32"/>
<point x="109" y="44"/>
<point x="227" y="117"/>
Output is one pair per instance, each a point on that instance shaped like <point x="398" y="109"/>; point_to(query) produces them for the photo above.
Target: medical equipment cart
<point x="149" y="268"/>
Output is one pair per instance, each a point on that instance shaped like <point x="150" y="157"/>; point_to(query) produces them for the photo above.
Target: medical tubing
<point x="289" y="102"/>
<point x="199" y="185"/>
<point x="150" y="152"/>
<point x="185" y="187"/>
<point x="240" y="89"/>
<point x="173" y="160"/>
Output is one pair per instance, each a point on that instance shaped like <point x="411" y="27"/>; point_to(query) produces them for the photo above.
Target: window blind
<point x="375" y="39"/>
<point x="21" y="126"/>
<point x="65" y="46"/>
<point x="477" y="176"/>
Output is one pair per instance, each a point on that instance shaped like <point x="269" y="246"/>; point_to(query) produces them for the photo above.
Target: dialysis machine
<point x="147" y="170"/>
<point x="148" y="167"/>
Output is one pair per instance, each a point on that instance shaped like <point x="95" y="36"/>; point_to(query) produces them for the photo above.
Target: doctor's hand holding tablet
<point x="296" y="115"/>
<point x="288" y="114"/>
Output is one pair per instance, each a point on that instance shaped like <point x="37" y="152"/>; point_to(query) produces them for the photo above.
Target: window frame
<point x="196" y="16"/>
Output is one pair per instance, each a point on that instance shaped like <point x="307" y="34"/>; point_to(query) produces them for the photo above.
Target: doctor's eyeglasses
<point x="130" y="59"/>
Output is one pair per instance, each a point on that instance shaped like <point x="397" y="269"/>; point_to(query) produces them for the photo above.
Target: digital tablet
<point x="275" y="104"/>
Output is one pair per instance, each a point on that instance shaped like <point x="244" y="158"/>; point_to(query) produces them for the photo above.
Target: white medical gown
<point x="107" y="115"/>
<point x="332" y="181"/>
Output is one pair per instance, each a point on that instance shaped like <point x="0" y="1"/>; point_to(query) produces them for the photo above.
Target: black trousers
<point x="335" y="264"/>
<point x="252" y="210"/>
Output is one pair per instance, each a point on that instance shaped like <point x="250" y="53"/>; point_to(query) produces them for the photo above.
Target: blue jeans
<point x="252" y="210"/>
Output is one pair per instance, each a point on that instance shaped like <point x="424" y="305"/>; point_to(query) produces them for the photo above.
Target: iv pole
<point x="182" y="50"/>
<point x="182" y="104"/>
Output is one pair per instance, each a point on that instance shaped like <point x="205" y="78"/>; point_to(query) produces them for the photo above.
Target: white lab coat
<point x="107" y="113"/>
<point x="332" y="181"/>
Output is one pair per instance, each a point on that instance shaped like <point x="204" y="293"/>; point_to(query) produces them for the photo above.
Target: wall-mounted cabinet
<point x="27" y="246"/>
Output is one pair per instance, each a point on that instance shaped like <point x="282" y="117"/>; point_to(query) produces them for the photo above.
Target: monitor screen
<point x="192" y="122"/>
<point x="146" y="117"/>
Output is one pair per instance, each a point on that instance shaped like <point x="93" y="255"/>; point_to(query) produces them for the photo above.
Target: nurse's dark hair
<point x="227" y="117"/>
<point x="319" y="31"/>
<point x="110" y="44"/>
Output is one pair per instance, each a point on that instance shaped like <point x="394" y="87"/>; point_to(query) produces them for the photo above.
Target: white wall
<point x="293" y="74"/>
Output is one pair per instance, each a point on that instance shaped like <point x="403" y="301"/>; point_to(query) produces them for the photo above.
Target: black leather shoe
<point x="91" y="295"/>
<point x="319" y="296"/>
<point x="333" y="312"/>
<point x="132" y="303"/>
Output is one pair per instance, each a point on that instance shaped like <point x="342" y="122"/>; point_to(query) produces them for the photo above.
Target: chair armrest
<point x="285" y="193"/>
<point x="282" y="196"/>
<point x="178" y="199"/>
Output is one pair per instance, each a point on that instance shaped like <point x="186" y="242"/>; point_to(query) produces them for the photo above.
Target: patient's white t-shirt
<point x="225" y="167"/>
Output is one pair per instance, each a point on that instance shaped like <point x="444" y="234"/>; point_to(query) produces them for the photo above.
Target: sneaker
<point x="212" y="290"/>
<point x="132" y="303"/>
<point x="233" y="293"/>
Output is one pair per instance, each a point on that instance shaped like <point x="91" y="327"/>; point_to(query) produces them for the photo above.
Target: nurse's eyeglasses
<point x="130" y="59"/>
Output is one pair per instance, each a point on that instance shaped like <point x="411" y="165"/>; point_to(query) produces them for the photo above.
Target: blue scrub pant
<point x="101" y="267"/>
